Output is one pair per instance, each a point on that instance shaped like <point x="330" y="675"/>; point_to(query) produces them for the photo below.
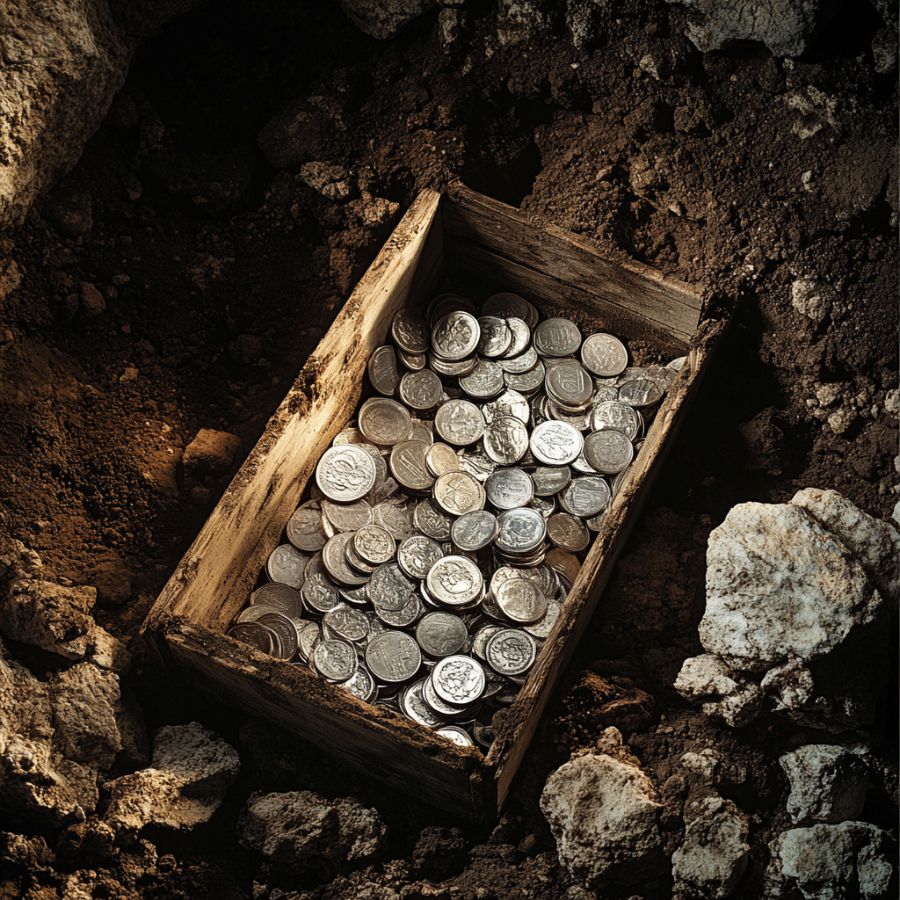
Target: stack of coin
<point x="447" y="523"/>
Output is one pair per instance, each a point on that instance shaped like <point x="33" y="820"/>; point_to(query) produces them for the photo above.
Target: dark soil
<point x="220" y="273"/>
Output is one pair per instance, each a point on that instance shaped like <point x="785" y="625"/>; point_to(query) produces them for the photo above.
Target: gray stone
<point x="828" y="783"/>
<point x="519" y="21"/>
<point x="603" y="812"/>
<point x="190" y="771"/>
<point x="384" y="18"/>
<point x="812" y="299"/>
<point x="713" y="856"/>
<point x="832" y="862"/>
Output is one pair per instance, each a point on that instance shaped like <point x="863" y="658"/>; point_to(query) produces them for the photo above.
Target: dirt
<point x="177" y="280"/>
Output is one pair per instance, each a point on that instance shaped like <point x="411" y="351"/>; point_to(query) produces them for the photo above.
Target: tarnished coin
<point x="615" y="415"/>
<point x="255" y="635"/>
<point x="384" y="422"/>
<point x="345" y="473"/>
<point x="521" y="337"/>
<point x="506" y="304"/>
<point x="509" y="403"/>
<point x="396" y="515"/>
<point x="362" y="685"/>
<point x="287" y="565"/>
<point x="393" y="657"/>
<point x="521" y="531"/>
<point x="565" y="563"/>
<point x="526" y="382"/>
<point x="524" y="362"/>
<point x="308" y="635"/>
<point x="409" y="332"/>
<point x="413" y="706"/>
<point x="416" y="555"/>
<point x="550" y="480"/>
<point x="456" y="735"/>
<point x="506" y="440"/>
<point x="585" y="496"/>
<point x="403" y="617"/>
<point x="604" y="355"/>
<point x="335" y="660"/>
<point x="542" y="628"/>
<point x="408" y="465"/>
<point x="347" y="516"/>
<point x="374" y="544"/>
<point x="641" y="392"/>
<point x="459" y="422"/>
<point x="569" y="383"/>
<point x="334" y="558"/>
<point x="455" y="335"/>
<point x="432" y="521"/>
<point x="495" y="336"/>
<point x="557" y="337"/>
<point x="521" y="601"/>
<point x="475" y="530"/>
<point x="441" y="459"/>
<point x="484" y="381"/>
<point x="441" y="634"/>
<point x="347" y="623"/>
<point x="452" y="368"/>
<point x="458" y="680"/>
<point x="390" y="588"/>
<point x="383" y="373"/>
<point x="556" y="443"/>
<point x="304" y="529"/>
<point x="284" y="627"/>
<point x="447" y="302"/>
<point x="458" y="492"/>
<point x="421" y="390"/>
<point x="509" y="489"/>
<point x="481" y="637"/>
<point x="413" y="361"/>
<point x="319" y="593"/>
<point x="455" y="581"/>
<point x="281" y="597"/>
<point x="568" y="531"/>
<point x="511" y="651"/>
<point x="609" y="451"/>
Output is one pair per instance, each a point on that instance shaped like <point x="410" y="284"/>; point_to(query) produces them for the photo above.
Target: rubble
<point x="828" y="783"/>
<point x="812" y="299"/>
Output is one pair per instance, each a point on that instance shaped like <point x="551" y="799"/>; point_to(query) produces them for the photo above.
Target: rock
<point x="603" y="813"/>
<point x="580" y="20"/>
<point x="708" y="680"/>
<point x="373" y="212"/>
<point x="384" y="18"/>
<point x="853" y="859"/>
<point x="815" y="110"/>
<point x="440" y="852"/>
<point x="189" y="773"/>
<point x="327" y="179"/>
<point x="884" y="51"/>
<point x="93" y="303"/>
<point x="112" y="580"/>
<point x="784" y="26"/>
<point x="70" y="212"/>
<point x="874" y="542"/>
<point x="17" y="561"/>
<point x="519" y="21"/>
<point x="780" y="587"/>
<point x="713" y="856"/>
<point x="210" y="453"/>
<point x="812" y="299"/>
<point x="299" y="133"/>
<point x="828" y="783"/>
<point x="300" y="831"/>
<point x="449" y="27"/>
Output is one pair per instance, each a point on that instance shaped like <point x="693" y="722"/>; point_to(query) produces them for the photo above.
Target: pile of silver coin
<point x="446" y="524"/>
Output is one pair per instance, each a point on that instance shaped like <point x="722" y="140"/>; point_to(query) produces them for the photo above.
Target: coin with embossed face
<point x="640" y="392"/>
<point x="615" y="415"/>
<point x="361" y="684"/>
<point x="345" y="473"/>
<point x="280" y="597"/>
<point x="557" y="337"/>
<point x="456" y="335"/>
<point x="454" y="581"/>
<point x="374" y="544"/>
<point x="347" y="623"/>
<point x="525" y="361"/>
<point x="585" y="496"/>
<point x="556" y="443"/>
<point x="509" y="489"/>
<point x="413" y="706"/>
<point x="334" y="558"/>
<point x="390" y="588"/>
<point x="393" y="657"/>
<point x="568" y="383"/>
<point x="550" y="480"/>
<point x="484" y="381"/>
<point x="568" y="531"/>
<point x="526" y="382"/>
<point x="384" y="422"/>
<point x="417" y="554"/>
<point x="509" y="403"/>
<point x="396" y="515"/>
<point x="432" y="521"/>
<point x="521" y="601"/>
<point x="506" y="440"/>
<point x="511" y="651"/>
<point x="347" y="516"/>
<point x="542" y="628"/>
<point x="441" y="634"/>
<point x="421" y="390"/>
<point x="459" y="422"/>
<point x="319" y="593"/>
<point x="409" y="332"/>
<point x="521" y="531"/>
<point x="304" y="528"/>
<point x="440" y="459"/>
<point x="335" y="660"/>
<point x="474" y="530"/>
<point x="608" y="451"/>
<point x="604" y="355"/>
<point x="287" y="565"/>
<point x="382" y="370"/>
<point x="495" y="336"/>
<point x="458" y="680"/>
<point x="407" y="463"/>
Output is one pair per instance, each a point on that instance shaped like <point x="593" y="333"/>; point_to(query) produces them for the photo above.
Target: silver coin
<point x="484" y="381"/>
<point x="396" y="515"/>
<point x="509" y="403"/>
<point x="382" y="370"/>
<point x="458" y="492"/>
<point x="542" y="628"/>
<point x="421" y="390"/>
<point x="347" y="623"/>
<point x="403" y="617"/>
<point x="511" y="651"/>
<point x="585" y="496"/>
<point x="521" y="337"/>
<point x="452" y="368"/>
<point x="284" y="627"/>
<point x="616" y="415"/>
<point x="581" y="420"/>
<point x="416" y="555"/>
<point x="256" y="635"/>
<point x="345" y="473"/>
<point x="254" y="613"/>
<point x="335" y="660"/>
<point x="407" y="463"/>
<point x="677" y="364"/>
<point x="549" y="480"/>
<point x="390" y="588"/>
<point x="454" y="581"/>
<point x="413" y="361"/>
<point x="639" y="392"/>
<point x="413" y="706"/>
<point x="281" y="597"/>
<point x="518" y="365"/>
<point x="506" y="304"/>
<point x="308" y="635"/>
<point x="375" y="544"/>
<point x="409" y="332"/>
<point x="557" y="337"/>
<point x="432" y="521"/>
<point x="347" y="516"/>
<point x="474" y="530"/>
<point x="384" y="422"/>
<point x="604" y="355"/>
<point x="362" y="685"/>
<point x="458" y="680"/>
<point x="481" y="637"/>
<point x="459" y="422"/>
<point x="358" y="596"/>
<point x="506" y="440"/>
<point x="334" y="558"/>
<point x="521" y="601"/>
<point x="393" y="657"/>
<point x="495" y="336"/>
<point x="319" y="593"/>
<point x="456" y="335"/>
<point x="448" y="302"/>
<point x="287" y="565"/>
<point x="476" y="464"/>
<point x="528" y="381"/>
<point x="556" y="443"/>
<point x="569" y="383"/>
<point x="509" y="489"/>
<point x="609" y="451"/>
<point x="436" y="703"/>
<point x="441" y="634"/>
<point x="304" y="529"/>
<point x="456" y="735"/>
<point x="441" y="459"/>
<point x="568" y="531"/>
<point x="521" y="531"/>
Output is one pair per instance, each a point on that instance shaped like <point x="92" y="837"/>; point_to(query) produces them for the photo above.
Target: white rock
<point x="831" y="862"/>
<point x="812" y="299"/>
<point x="828" y="783"/>
<point x="707" y="680"/>
<point x="713" y="855"/>
<point x="603" y="812"/>
<point x="780" y="587"/>
<point x="189" y="773"/>
<point x="519" y="20"/>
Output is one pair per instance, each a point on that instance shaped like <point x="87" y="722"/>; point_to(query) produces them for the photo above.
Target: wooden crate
<point x="473" y="240"/>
